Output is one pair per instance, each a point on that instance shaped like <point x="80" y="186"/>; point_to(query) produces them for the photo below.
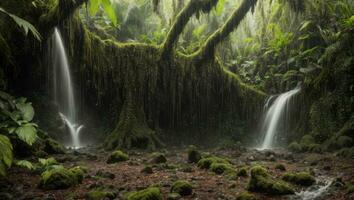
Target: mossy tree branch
<point x="60" y="12"/>
<point x="181" y="21"/>
<point x="208" y="49"/>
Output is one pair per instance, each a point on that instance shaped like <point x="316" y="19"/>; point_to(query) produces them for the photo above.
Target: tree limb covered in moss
<point x="60" y="12"/>
<point x="182" y="19"/>
<point x="208" y="49"/>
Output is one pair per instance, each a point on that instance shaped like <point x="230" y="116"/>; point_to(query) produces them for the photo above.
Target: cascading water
<point x="274" y="115"/>
<point x="63" y="89"/>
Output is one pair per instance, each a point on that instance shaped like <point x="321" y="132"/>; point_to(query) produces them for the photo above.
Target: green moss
<point x="158" y="158"/>
<point x="302" y="178"/>
<point x="193" y="155"/>
<point x="259" y="171"/>
<point x="59" y="178"/>
<point x="245" y="196"/>
<point x="220" y="168"/>
<point x="100" y="194"/>
<point x="182" y="187"/>
<point x="151" y="193"/>
<point x="242" y="172"/>
<point x="147" y="169"/>
<point x="173" y="196"/>
<point x="53" y="147"/>
<point x="205" y="163"/>
<point x="281" y="188"/>
<point x="344" y="141"/>
<point x="280" y="167"/>
<point x="307" y="139"/>
<point x="350" y="187"/>
<point x="78" y="172"/>
<point x="347" y="153"/>
<point x="117" y="156"/>
<point x="295" y="147"/>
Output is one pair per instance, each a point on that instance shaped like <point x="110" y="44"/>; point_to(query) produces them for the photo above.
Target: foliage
<point x="107" y="7"/>
<point x="25" y="25"/>
<point x="6" y="156"/>
<point x="25" y="164"/>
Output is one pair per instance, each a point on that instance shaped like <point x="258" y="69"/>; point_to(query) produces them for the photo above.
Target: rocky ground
<point x="144" y="169"/>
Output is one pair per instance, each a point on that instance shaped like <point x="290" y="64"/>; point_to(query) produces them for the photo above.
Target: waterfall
<point x="274" y="116"/>
<point x="63" y="88"/>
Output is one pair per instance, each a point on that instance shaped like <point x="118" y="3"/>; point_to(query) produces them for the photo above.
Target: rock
<point x="245" y="196"/>
<point x="105" y="174"/>
<point x="151" y="193"/>
<point x="280" y="167"/>
<point x="302" y="178"/>
<point x="261" y="182"/>
<point x="147" y="170"/>
<point x="242" y="172"/>
<point x="117" y="156"/>
<point x="53" y="147"/>
<point x="100" y="194"/>
<point x="58" y="178"/>
<point x="158" y="158"/>
<point x="220" y="168"/>
<point x="193" y="155"/>
<point x="205" y="163"/>
<point x="184" y="188"/>
<point x="173" y="196"/>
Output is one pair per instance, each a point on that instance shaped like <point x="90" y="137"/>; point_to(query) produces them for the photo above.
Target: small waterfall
<point x="274" y="115"/>
<point x="63" y="89"/>
<point x="315" y="192"/>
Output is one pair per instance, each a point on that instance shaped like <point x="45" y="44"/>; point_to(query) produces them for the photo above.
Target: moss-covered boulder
<point x="53" y="147"/>
<point x="173" y="196"/>
<point x="151" y="193"/>
<point x="261" y="182"/>
<point x="182" y="187"/>
<point x="157" y="158"/>
<point x="344" y="141"/>
<point x="205" y="163"/>
<point x="117" y="156"/>
<point x="242" y="172"/>
<point x="220" y="168"/>
<point x="193" y="155"/>
<point x="301" y="178"/>
<point x="246" y="196"/>
<point x="147" y="170"/>
<point x="280" y="167"/>
<point x="59" y="178"/>
<point x="100" y="194"/>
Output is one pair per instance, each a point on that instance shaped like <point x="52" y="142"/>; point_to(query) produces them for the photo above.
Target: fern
<point x="25" y="164"/>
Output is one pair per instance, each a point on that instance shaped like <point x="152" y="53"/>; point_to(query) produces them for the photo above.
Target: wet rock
<point x="117" y="156"/>
<point x="104" y="174"/>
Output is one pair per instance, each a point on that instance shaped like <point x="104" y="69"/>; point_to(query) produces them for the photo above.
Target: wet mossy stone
<point x="193" y="155"/>
<point x="220" y="168"/>
<point x="117" y="156"/>
<point x="151" y="193"/>
<point x="100" y="194"/>
<point x="59" y="178"/>
<point x="246" y="196"/>
<point x="261" y="182"/>
<point x="205" y="163"/>
<point x="242" y="172"/>
<point x="301" y="178"/>
<point x="280" y="167"/>
<point x="158" y="158"/>
<point x="53" y="147"/>
<point x="182" y="187"/>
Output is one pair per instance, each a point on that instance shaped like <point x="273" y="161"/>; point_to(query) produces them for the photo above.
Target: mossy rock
<point x="280" y="167"/>
<point x="147" y="170"/>
<point x="220" y="168"/>
<point x="205" y="163"/>
<point x="182" y="187"/>
<point x="173" y="196"/>
<point x="246" y="196"/>
<point x="344" y="141"/>
<point x="151" y="193"/>
<point x="53" y="147"/>
<point x="59" y="178"/>
<point x="295" y="147"/>
<point x="242" y="172"/>
<point x="158" y="158"/>
<point x="261" y="182"/>
<point x="346" y="153"/>
<point x="117" y="156"/>
<point x="301" y="178"/>
<point x="193" y="155"/>
<point x="79" y="172"/>
<point x="350" y="188"/>
<point x="100" y="194"/>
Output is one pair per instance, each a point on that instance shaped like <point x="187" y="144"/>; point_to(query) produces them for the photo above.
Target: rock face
<point x="151" y="193"/>
<point x="60" y="178"/>
<point x="181" y="187"/>
<point x="261" y="182"/>
<point x="117" y="156"/>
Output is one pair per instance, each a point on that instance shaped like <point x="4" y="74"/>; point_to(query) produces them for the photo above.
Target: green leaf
<point x="94" y="6"/>
<point x="305" y="24"/>
<point x="27" y="133"/>
<point x="25" y="164"/>
<point x="110" y="11"/>
<point x="6" y="156"/>
<point x="25" y="25"/>
<point x="220" y="7"/>
<point x="27" y="111"/>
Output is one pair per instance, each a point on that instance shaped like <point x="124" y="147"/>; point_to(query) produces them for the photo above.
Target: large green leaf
<point x="27" y="111"/>
<point x="110" y="11"/>
<point x="25" y="25"/>
<point x="94" y="6"/>
<point x="27" y="133"/>
<point x="6" y="156"/>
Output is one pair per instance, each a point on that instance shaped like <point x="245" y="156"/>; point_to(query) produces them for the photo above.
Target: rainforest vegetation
<point x="177" y="99"/>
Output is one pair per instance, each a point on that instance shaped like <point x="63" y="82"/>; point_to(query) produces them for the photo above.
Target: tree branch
<point x="63" y="10"/>
<point x="208" y="49"/>
<point x="193" y="7"/>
